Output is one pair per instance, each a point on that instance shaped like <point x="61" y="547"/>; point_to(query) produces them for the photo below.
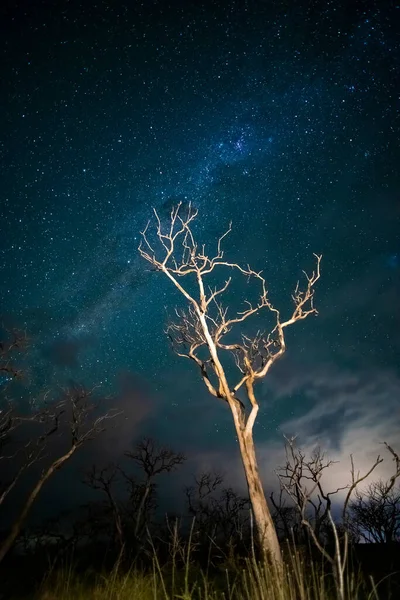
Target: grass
<point x="252" y="583"/>
<point x="181" y="567"/>
<point x="182" y="579"/>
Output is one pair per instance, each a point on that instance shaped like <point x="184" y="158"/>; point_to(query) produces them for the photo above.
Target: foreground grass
<point x="301" y="581"/>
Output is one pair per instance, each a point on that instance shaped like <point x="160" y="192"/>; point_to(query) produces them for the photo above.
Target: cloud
<point x="342" y="401"/>
<point x="351" y="415"/>
<point x="344" y="413"/>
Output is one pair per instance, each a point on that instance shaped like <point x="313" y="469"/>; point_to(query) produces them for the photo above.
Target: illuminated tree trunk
<point x="266" y="536"/>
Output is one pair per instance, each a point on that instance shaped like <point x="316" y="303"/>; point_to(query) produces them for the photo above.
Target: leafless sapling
<point x="374" y="514"/>
<point x="153" y="459"/>
<point x="300" y="478"/>
<point x="104" y="480"/>
<point x="221" y="513"/>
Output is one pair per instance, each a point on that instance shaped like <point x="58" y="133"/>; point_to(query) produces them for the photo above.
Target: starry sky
<point x="280" y="116"/>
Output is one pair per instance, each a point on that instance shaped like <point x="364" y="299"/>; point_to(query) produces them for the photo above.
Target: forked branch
<point x="200" y="332"/>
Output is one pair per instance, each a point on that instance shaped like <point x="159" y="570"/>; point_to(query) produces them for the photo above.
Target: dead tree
<point x="202" y="501"/>
<point x="301" y="478"/>
<point x="204" y="332"/>
<point x="104" y="480"/>
<point x="70" y="416"/>
<point x="153" y="460"/>
<point x="221" y="515"/>
<point x="374" y="514"/>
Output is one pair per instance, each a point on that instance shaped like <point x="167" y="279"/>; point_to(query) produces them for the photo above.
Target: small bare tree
<point x="104" y="480"/>
<point x="153" y="459"/>
<point x="300" y="478"/>
<point x="221" y="514"/>
<point x="130" y="515"/>
<point x="374" y="514"/>
<point x="72" y="415"/>
<point x="201" y="331"/>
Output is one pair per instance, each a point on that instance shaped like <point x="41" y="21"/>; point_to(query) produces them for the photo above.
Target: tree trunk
<point x="20" y="520"/>
<point x="266" y="532"/>
<point x="265" y="527"/>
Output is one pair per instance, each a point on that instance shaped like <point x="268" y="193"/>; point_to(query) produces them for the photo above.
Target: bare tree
<point x="104" y="480"/>
<point x="201" y="331"/>
<point x="130" y="515"/>
<point x="374" y="514"/>
<point x="153" y="460"/>
<point x="220" y="513"/>
<point x="300" y="478"/>
<point x="202" y="502"/>
<point x="72" y="413"/>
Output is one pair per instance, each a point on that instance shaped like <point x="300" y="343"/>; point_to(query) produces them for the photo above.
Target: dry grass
<point x="181" y="579"/>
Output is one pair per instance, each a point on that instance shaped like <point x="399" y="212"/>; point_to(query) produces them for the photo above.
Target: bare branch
<point x="204" y="327"/>
<point x="75" y="407"/>
<point x="396" y="474"/>
<point x="104" y="480"/>
<point x="155" y="459"/>
<point x="356" y="480"/>
<point x="374" y="514"/>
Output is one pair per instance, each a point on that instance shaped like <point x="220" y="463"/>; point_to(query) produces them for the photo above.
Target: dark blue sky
<point x="280" y="116"/>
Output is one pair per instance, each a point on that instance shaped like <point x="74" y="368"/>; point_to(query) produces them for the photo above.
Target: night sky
<point x="280" y="116"/>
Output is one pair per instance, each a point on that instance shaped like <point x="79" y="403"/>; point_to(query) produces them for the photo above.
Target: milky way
<point x="283" y="119"/>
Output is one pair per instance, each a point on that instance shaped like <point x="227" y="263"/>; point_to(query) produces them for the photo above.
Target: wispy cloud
<point x="347" y="414"/>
